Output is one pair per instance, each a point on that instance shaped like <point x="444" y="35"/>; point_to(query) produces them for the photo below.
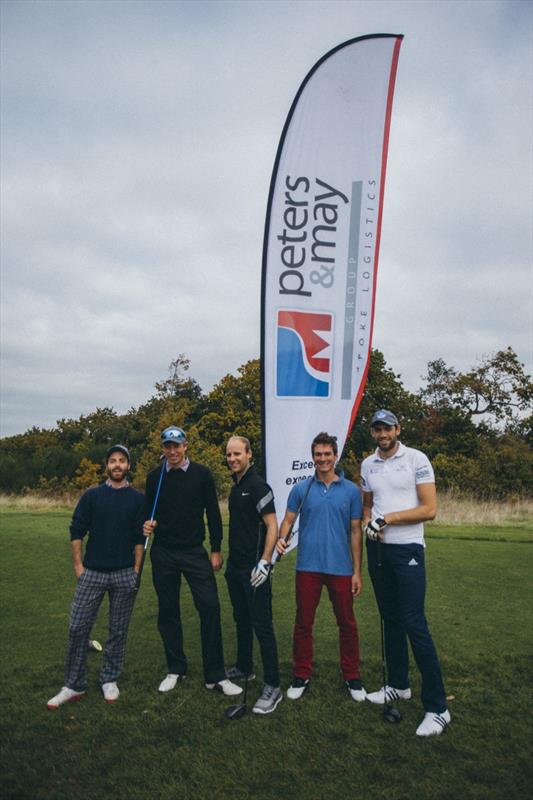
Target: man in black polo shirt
<point x="253" y="532"/>
<point x="187" y="491"/>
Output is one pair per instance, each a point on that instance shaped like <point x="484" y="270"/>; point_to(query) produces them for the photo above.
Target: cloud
<point x="137" y="147"/>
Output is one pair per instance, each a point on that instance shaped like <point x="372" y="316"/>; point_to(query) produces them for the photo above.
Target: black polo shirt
<point x="249" y="500"/>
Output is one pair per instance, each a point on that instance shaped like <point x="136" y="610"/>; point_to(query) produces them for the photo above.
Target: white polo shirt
<point x="393" y="483"/>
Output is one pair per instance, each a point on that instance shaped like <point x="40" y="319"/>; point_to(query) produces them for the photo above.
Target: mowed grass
<point x="179" y="746"/>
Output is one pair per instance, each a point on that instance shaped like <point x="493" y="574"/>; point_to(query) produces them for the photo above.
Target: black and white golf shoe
<point x="297" y="688"/>
<point x="392" y="695"/>
<point x="433" y="724"/>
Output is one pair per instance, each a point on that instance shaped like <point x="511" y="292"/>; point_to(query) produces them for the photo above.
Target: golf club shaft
<point x="152" y="515"/>
<point x="288" y="535"/>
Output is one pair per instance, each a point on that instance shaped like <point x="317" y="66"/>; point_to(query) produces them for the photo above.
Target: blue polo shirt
<point x="324" y="528"/>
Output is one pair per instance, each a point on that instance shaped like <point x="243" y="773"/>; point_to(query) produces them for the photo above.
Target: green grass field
<point x="180" y="746"/>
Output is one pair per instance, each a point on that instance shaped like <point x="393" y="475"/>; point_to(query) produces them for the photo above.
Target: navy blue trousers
<point x="400" y="586"/>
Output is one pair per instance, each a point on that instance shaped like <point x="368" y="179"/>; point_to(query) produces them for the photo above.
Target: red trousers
<point x="308" y="590"/>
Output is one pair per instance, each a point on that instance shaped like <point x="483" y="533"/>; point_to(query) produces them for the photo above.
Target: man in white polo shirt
<point x="399" y="495"/>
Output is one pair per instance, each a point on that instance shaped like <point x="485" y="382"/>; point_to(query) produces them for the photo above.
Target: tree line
<point x="473" y="425"/>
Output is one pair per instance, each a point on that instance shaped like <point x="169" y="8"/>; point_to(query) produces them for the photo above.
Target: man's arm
<point x="271" y="536"/>
<point x="77" y="556"/>
<point x="288" y="520"/>
<point x="368" y="502"/>
<point x="138" y="553"/>
<point x="214" y="520"/>
<point x="425" y="510"/>
<point x="356" y="542"/>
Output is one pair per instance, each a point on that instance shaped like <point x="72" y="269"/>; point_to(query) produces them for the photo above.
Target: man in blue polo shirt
<point x="329" y="553"/>
<point x="112" y="514"/>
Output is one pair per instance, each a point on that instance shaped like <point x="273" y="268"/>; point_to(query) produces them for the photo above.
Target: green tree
<point x="498" y="387"/>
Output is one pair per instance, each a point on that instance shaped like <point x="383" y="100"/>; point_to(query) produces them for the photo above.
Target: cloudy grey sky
<point x="138" y="141"/>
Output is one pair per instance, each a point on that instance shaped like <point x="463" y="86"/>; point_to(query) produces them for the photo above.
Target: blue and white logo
<point x="303" y="358"/>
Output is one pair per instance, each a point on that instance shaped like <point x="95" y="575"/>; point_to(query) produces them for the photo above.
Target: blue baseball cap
<point x="384" y="417"/>
<point x="173" y="435"/>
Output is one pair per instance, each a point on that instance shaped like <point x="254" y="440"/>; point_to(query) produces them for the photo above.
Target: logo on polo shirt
<point x="303" y="357"/>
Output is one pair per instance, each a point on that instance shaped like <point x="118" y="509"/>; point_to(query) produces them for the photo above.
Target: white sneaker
<point x="297" y="688"/>
<point x="111" y="692"/>
<point x="226" y="687"/>
<point x="392" y="694"/>
<point x="169" y="683"/>
<point x="356" y="689"/>
<point x="433" y="724"/>
<point x="66" y="695"/>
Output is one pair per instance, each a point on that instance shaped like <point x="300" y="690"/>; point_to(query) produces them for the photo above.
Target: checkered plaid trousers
<point x="90" y="590"/>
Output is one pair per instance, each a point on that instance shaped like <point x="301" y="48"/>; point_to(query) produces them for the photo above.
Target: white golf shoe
<point x="169" y="683"/>
<point x="226" y="687"/>
<point x="392" y="694"/>
<point x="297" y="688"/>
<point x="110" y="691"/>
<point x="356" y="690"/>
<point x="433" y="724"/>
<point x="66" y="695"/>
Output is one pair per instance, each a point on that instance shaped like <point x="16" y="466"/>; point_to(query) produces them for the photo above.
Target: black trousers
<point x="252" y="611"/>
<point x="168" y="566"/>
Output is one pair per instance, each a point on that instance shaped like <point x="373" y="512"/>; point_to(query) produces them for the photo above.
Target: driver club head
<point x="391" y="715"/>
<point x="235" y="712"/>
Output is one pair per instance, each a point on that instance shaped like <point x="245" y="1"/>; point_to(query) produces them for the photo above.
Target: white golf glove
<point x="374" y="528"/>
<point x="259" y="573"/>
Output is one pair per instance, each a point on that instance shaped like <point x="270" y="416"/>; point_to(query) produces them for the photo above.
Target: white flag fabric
<point x="320" y="254"/>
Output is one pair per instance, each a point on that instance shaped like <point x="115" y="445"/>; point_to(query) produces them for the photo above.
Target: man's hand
<point x="374" y="527"/>
<point x="281" y="546"/>
<point x="149" y="527"/>
<point x="259" y="573"/>
<point x="79" y="569"/>
<point x="357" y="584"/>
<point x="216" y="561"/>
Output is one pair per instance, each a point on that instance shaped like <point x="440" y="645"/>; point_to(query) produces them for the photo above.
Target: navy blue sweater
<point x="114" y="519"/>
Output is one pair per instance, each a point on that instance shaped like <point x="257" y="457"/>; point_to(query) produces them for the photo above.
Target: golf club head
<point x="235" y="712"/>
<point x="391" y="715"/>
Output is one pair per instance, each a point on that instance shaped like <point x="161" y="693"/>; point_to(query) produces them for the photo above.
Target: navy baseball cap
<point x="384" y="417"/>
<point x="173" y="435"/>
<point x="118" y="448"/>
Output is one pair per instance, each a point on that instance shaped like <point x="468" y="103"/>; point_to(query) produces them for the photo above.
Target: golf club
<point x="390" y="714"/>
<point x="152" y="515"/>
<point x="288" y="536"/>
<point x="239" y="710"/>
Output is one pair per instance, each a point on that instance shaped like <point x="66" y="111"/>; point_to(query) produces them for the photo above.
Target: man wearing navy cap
<point x="112" y="514"/>
<point x="187" y="493"/>
<point x="399" y="495"/>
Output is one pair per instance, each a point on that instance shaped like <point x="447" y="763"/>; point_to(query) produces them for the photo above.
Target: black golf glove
<point x="374" y="528"/>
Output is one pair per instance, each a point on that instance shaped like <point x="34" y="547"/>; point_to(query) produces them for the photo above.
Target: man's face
<point x="117" y="466"/>
<point x="385" y="436"/>
<point x="175" y="453"/>
<point x="324" y="458"/>
<point x="237" y="457"/>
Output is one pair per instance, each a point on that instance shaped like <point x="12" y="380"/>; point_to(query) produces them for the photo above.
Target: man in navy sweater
<point x="112" y="514"/>
<point x="187" y="491"/>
